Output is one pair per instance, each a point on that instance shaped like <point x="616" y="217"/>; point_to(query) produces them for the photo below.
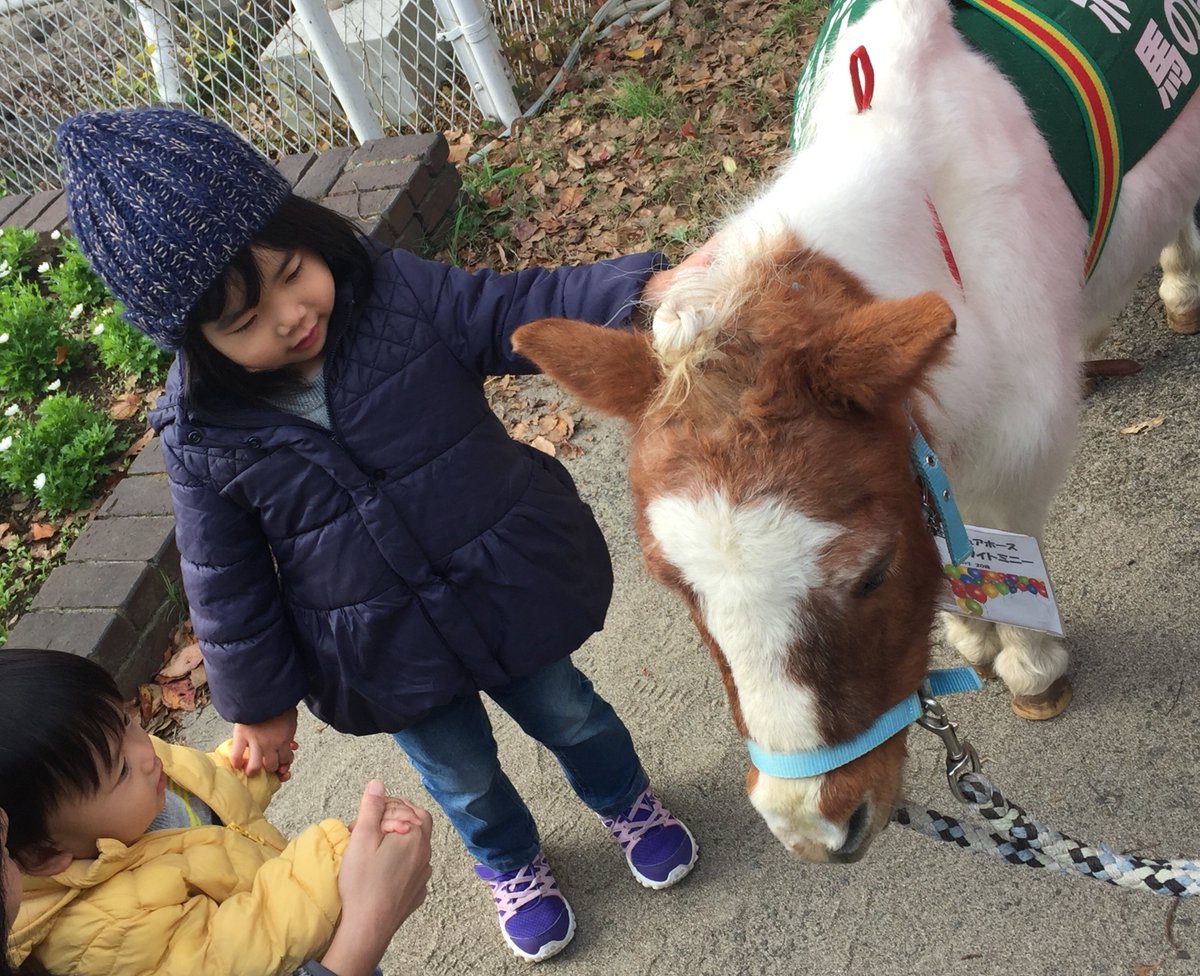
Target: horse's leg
<point x="1180" y="287"/>
<point x="1034" y="667"/>
<point x="976" y="640"/>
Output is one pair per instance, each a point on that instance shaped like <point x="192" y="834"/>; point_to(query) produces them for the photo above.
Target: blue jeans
<point x="455" y="753"/>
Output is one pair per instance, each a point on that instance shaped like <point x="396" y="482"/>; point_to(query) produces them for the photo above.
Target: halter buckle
<point x="961" y="757"/>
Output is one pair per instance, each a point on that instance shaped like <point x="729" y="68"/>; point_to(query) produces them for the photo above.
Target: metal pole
<point x="331" y="52"/>
<point x="468" y="26"/>
<point x="155" y="18"/>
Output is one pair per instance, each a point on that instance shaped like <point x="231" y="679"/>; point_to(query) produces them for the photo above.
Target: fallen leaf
<point x="42" y="530"/>
<point x="150" y="700"/>
<point x="542" y="445"/>
<point x="1143" y="425"/>
<point x="492" y="197"/>
<point x="575" y="161"/>
<point x="60" y="355"/>
<point x="688" y="131"/>
<point x="1147" y="968"/>
<point x="125" y="406"/>
<point x="198" y="677"/>
<point x="179" y="694"/>
<point x="182" y="662"/>
<point x="136" y="447"/>
<point x="730" y="164"/>
<point x="646" y="50"/>
<point x="4" y="527"/>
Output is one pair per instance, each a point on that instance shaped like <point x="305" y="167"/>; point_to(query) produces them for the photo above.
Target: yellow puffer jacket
<point x="196" y="901"/>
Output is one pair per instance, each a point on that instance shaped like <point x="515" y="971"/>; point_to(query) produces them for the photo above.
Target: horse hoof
<point x="1051" y="702"/>
<point x="984" y="671"/>
<point x="1185" y="323"/>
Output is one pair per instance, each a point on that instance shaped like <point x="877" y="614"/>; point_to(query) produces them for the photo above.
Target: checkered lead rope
<point x="1012" y="836"/>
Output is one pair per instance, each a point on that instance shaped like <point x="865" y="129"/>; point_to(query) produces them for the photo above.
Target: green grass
<point x="633" y="98"/>
<point x="475" y="218"/>
<point x="796" y="15"/>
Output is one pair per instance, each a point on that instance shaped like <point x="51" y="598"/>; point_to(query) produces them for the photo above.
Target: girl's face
<point x="130" y="796"/>
<point x="288" y="325"/>
<point x="10" y="877"/>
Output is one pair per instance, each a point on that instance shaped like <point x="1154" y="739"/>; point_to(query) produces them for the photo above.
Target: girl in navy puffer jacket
<point x="356" y="528"/>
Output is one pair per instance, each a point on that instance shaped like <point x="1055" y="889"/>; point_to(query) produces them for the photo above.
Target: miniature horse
<point x="769" y="411"/>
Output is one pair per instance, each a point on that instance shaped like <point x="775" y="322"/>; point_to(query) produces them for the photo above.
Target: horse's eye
<point x="874" y="580"/>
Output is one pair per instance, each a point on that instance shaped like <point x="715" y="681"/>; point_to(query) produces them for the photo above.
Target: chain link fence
<point x="246" y="62"/>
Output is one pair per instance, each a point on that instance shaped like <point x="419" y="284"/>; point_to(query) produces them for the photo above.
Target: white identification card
<point x="1004" y="580"/>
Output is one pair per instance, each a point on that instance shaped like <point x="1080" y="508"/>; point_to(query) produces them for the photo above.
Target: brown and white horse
<point x="767" y="411"/>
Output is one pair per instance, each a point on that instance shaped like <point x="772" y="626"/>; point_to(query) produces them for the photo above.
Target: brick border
<point x="118" y="595"/>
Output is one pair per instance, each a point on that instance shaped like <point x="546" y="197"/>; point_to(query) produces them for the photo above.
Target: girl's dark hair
<point x="61" y="718"/>
<point x="298" y="223"/>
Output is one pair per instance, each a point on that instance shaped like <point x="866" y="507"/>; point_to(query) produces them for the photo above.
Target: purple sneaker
<point x="659" y="848"/>
<point x="535" y="919"/>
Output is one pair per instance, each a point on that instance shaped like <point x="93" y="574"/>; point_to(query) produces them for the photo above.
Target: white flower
<point x="76" y="312"/>
<point x="55" y="235"/>
<point x="5" y="444"/>
<point x="4" y="269"/>
<point x="12" y="411"/>
<point x="3" y="337"/>
<point x="53" y="386"/>
<point x="43" y="267"/>
<point x="99" y="329"/>
<point x="39" y="482"/>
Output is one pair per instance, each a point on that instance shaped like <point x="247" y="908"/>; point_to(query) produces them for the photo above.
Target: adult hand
<point x="268" y="745"/>
<point x="383" y="879"/>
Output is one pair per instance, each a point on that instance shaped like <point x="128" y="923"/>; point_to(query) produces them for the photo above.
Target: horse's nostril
<point x="856" y="830"/>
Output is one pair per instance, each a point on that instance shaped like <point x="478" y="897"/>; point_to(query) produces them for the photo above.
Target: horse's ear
<point x="613" y="370"/>
<point x="882" y="352"/>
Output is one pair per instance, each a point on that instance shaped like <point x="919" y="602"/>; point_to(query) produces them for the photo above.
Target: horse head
<point x="769" y="466"/>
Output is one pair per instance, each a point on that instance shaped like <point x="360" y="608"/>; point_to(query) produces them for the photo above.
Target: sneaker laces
<point x="628" y="829"/>
<point x="526" y="885"/>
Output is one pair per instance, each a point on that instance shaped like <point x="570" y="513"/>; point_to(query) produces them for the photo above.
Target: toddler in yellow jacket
<point x="144" y="857"/>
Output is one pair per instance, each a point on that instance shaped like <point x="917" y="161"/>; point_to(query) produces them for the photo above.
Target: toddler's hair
<point x="61" y="717"/>
<point x="298" y="223"/>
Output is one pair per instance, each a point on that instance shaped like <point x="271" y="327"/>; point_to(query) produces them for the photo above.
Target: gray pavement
<point x="1119" y="766"/>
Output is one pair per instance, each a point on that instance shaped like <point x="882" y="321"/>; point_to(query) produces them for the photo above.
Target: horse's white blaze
<point x="752" y="568"/>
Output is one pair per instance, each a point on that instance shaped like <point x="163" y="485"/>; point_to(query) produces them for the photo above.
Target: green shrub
<point x="72" y="278"/>
<point x="16" y="251"/>
<point x="121" y="347"/>
<point x="58" y="458"/>
<point x="34" y="348"/>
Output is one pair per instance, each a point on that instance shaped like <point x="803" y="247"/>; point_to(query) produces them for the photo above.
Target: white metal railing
<point x="322" y="73"/>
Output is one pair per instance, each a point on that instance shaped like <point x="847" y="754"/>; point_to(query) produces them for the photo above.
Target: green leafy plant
<point x="483" y="205"/>
<point x="34" y="346"/>
<point x="17" y="247"/>
<point x="795" y="16"/>
<point x="121" y="347"/>
<point x="59" y="457"/>
<point x="72" y="278"/>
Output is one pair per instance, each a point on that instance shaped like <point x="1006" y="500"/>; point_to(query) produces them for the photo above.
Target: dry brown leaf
<point x="125" y="406"/>
<point x="492" y="197"/>
<point x="645" y="50"/>
<point x="182" y="662"/>
<point x="543" y="445"/>
<point x="575" y="160"/>
<point x="150" y="700"/>
<point x="198" y="677"/>
<point x="179" y="694"/>
<point x="4" y="527"/>
<point x="1147" y="968"/>
<point x="573" y="128"/>
<point x="1143" y="425"/>
<point x="60" y="355"/>
<point x="42" y="530"/>
<point x="136" y="447"/>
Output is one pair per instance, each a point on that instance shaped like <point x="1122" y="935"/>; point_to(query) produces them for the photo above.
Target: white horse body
<point x="945" y="126"/>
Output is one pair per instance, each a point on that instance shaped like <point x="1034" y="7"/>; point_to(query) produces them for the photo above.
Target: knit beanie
<point x="161" y="200"/>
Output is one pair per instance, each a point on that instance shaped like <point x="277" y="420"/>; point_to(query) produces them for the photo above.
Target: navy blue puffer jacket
<point x="415" y="554"/>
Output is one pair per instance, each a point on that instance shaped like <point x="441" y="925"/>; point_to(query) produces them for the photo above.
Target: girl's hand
<point x="268" y="745"/>
<point x="657" y="284"/>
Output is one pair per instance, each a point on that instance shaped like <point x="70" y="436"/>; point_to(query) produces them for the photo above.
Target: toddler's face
<point x="10" y="877"/>
<point x="131" y="795"/>
<point x="288" y="325"/>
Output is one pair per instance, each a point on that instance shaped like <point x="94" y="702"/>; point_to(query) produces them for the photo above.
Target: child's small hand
<point x="399" y="816"/>
<point x="658" y="283"/>
<point x="268" y="745"/>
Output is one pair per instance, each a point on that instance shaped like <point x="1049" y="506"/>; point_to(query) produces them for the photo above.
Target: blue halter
<point x="814" y="762"/>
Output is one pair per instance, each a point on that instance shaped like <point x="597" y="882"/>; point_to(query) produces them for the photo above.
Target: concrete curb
<point x="118" y="595"/>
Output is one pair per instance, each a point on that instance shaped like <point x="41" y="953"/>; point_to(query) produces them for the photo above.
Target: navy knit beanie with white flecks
<point x="161" y="200"/>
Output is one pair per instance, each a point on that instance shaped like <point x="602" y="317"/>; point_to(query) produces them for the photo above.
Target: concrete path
<point x="1120" y="766"/>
